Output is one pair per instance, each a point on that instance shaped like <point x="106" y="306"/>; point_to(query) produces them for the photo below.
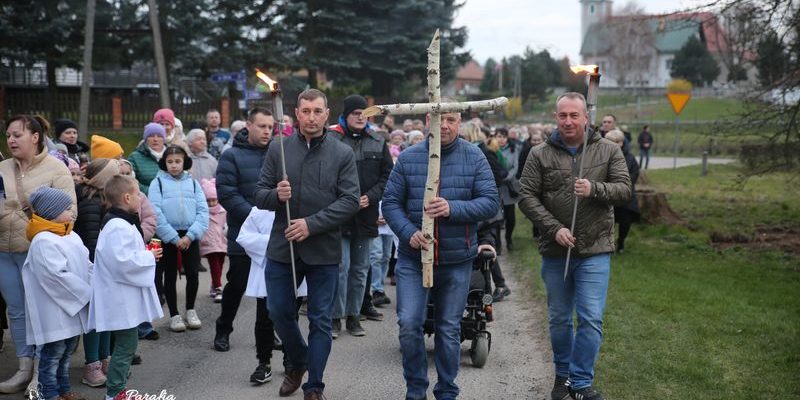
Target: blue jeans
<point x="379" y="257"/>
<point x="584" y="291"/>
<point x="449" y="297"/>
<point x="14" y="294"/>
<point x="352" y="276"/>
<point x="321" y="280"/>
<point x="644" y="155"/>
<point x="54" y="367"/>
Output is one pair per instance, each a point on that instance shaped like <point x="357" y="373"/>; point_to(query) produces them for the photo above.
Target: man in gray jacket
<point x="548" y="189"/>
<point x="322" y="184"/>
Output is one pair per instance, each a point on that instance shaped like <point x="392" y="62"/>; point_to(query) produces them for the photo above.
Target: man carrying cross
<point x="466" y="195"/>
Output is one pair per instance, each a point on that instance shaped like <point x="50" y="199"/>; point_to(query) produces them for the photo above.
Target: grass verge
<point x="687" y="321"/>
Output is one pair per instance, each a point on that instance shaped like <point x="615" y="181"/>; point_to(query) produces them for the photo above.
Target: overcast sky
<point x="499" y="28"/>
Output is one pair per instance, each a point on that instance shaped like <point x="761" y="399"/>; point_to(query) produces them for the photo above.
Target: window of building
<point x="669" y="63"/>
<point x="591" y="9"/>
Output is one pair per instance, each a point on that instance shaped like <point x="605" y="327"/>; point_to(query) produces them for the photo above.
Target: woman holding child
<point x="29" y="167"/>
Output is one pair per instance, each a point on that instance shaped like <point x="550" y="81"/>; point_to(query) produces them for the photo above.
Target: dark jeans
<point x="497" y="274"/>
<point x="54" y="367"/>
<point x="322" y="281"/>
<point x="238" y="272"/>
<point x="191" y="260"/>
<point x="510" y="216"/>
<point x="125" y="344"/>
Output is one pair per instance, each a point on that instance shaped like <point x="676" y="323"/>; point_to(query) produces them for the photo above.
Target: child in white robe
<point x="56" y="276"/>
<point x="124" y="292"/>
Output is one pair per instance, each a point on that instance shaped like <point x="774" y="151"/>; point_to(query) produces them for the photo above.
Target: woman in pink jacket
<point x="214" y="244"/>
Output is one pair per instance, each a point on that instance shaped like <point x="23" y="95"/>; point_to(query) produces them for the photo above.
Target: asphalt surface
<point x="186" y="366"/>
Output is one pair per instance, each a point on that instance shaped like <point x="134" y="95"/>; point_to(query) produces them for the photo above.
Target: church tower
<point x="593" y="11"/>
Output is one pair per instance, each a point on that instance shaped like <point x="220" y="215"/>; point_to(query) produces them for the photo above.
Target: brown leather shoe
<point x="291" y="382"/>
<point x="314" y="395"/>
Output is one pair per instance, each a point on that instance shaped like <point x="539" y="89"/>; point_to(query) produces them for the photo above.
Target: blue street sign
<point x="227" y="77"/>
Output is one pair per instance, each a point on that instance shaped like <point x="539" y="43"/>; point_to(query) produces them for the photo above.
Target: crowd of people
<point x="339" y="214"/>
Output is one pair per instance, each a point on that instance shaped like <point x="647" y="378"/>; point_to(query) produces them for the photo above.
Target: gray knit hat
<point x="49" y="203"/>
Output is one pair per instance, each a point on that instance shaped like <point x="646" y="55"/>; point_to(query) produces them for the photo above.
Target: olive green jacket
<point x="548" y="187"/>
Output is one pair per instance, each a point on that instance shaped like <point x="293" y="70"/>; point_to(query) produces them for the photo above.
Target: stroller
<point x="477" y="312"/>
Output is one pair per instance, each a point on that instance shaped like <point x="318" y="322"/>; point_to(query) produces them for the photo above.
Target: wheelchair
<point x="477" y="311"/>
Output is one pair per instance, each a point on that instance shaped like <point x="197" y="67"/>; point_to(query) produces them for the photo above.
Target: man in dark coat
<point x="321" y="187"/>
<point x="237" y="174"/>
<point x="374" y="164"/>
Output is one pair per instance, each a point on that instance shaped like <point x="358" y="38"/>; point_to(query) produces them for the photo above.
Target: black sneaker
<point x="153" y="335"/>
<point x="354" y="326"/>
<point x="201" y="268"/>
<point x="587" y="393"/>
<point x="369" y="312"/>
<point x="222" y="341"/>
<point x="336" y="327"/>
<point x="262" y="374"/>
<point x="560" y="389"/>
<point x="500" y="293"/>
<point x="137" y="359"/>
<point x="380" y="299"/>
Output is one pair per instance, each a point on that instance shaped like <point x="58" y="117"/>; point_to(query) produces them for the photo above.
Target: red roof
<point x="470" y="71"/>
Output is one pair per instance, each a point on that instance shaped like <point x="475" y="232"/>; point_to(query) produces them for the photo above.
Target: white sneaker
<point x="176" y="324"/>
<point x="212" y="292"/>
<point x="192" y="321"/>
<point x="218" y="295"/>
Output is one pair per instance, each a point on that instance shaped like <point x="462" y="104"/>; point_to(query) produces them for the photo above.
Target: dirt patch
<point x="786" y="239"/>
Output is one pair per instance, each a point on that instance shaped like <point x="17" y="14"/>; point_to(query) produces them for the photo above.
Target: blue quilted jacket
<point x="466" y="182"/>
<point x="180" y="205"/>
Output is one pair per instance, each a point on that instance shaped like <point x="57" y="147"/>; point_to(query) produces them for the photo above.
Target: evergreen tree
<point x="772" y="59"/>
<point x="489" y="83"/>
<point x="694" y="63"/>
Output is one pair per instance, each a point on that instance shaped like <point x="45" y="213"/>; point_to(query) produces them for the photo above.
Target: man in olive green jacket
<point x="548" y="190"/>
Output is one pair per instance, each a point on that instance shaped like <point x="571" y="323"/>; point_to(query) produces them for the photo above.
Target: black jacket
<point x="374" y="164"/>
<point x="90" y="218"/>
<point x="237" y="174"/>
<point x="498" y="171"/>
<point x="325" y="193"/>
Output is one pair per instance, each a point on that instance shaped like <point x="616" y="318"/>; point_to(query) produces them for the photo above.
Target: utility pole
<point x="86" y="84"/>
<point x="159" y="50"/>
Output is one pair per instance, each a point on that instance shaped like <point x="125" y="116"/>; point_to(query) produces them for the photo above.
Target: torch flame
<point x="270" y="83"/>
<point x="585" y="69"/>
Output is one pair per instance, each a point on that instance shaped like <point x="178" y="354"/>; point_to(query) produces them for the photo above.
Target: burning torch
<point x="277" y="111"/>
<point x="593" y="72"/>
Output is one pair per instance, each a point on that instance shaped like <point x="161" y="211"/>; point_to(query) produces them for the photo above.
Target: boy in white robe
<point x="124" y="293"/>
<point x="56" y="276"/>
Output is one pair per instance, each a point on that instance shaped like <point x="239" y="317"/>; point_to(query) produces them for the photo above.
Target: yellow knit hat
<point x="103" y="147"/>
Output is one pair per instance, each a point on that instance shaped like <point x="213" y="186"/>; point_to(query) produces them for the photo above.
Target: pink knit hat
<point x="164" y="114"/>
<point x="209" y="187"/>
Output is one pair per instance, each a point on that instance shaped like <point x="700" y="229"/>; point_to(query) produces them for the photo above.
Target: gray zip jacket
<point x="325" y="192"/>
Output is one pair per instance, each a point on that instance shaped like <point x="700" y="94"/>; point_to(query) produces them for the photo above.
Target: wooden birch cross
<point x="435" y="108"/>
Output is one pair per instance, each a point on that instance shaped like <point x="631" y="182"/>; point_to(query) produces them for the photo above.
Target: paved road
<point x="666" y="162"/>
<point x="185" y="365"/>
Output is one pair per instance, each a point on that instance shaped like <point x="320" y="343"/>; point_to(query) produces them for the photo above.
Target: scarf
<point x="101" y="178"/>
<point x="39" y="224"/>
<point x="157" y="154"/>
<point x="216" y="209"/>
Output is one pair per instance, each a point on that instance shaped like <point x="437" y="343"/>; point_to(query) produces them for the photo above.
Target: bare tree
<point x="632" y="45"/>
<point x="737" y="35"/>
<point x="159" y="53"/>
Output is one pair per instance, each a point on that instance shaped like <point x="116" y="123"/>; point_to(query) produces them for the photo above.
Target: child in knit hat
<point x="214" y="245"/>
<point x="56" y="277"/>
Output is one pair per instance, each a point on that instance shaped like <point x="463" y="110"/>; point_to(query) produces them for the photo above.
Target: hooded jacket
<point x="374" y="164"/>
<point x="180" y="205"/>
<point x="548" y="187"/>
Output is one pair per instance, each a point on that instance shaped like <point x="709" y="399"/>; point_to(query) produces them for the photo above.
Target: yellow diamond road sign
<point x="678" y="101"/>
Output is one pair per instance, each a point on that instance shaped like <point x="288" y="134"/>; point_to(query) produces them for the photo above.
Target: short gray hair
<point x="194" y="134"/>
<point x="572" y="96"/>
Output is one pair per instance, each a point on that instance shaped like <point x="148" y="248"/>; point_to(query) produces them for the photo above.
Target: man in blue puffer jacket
<point x="467" y="195"/>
